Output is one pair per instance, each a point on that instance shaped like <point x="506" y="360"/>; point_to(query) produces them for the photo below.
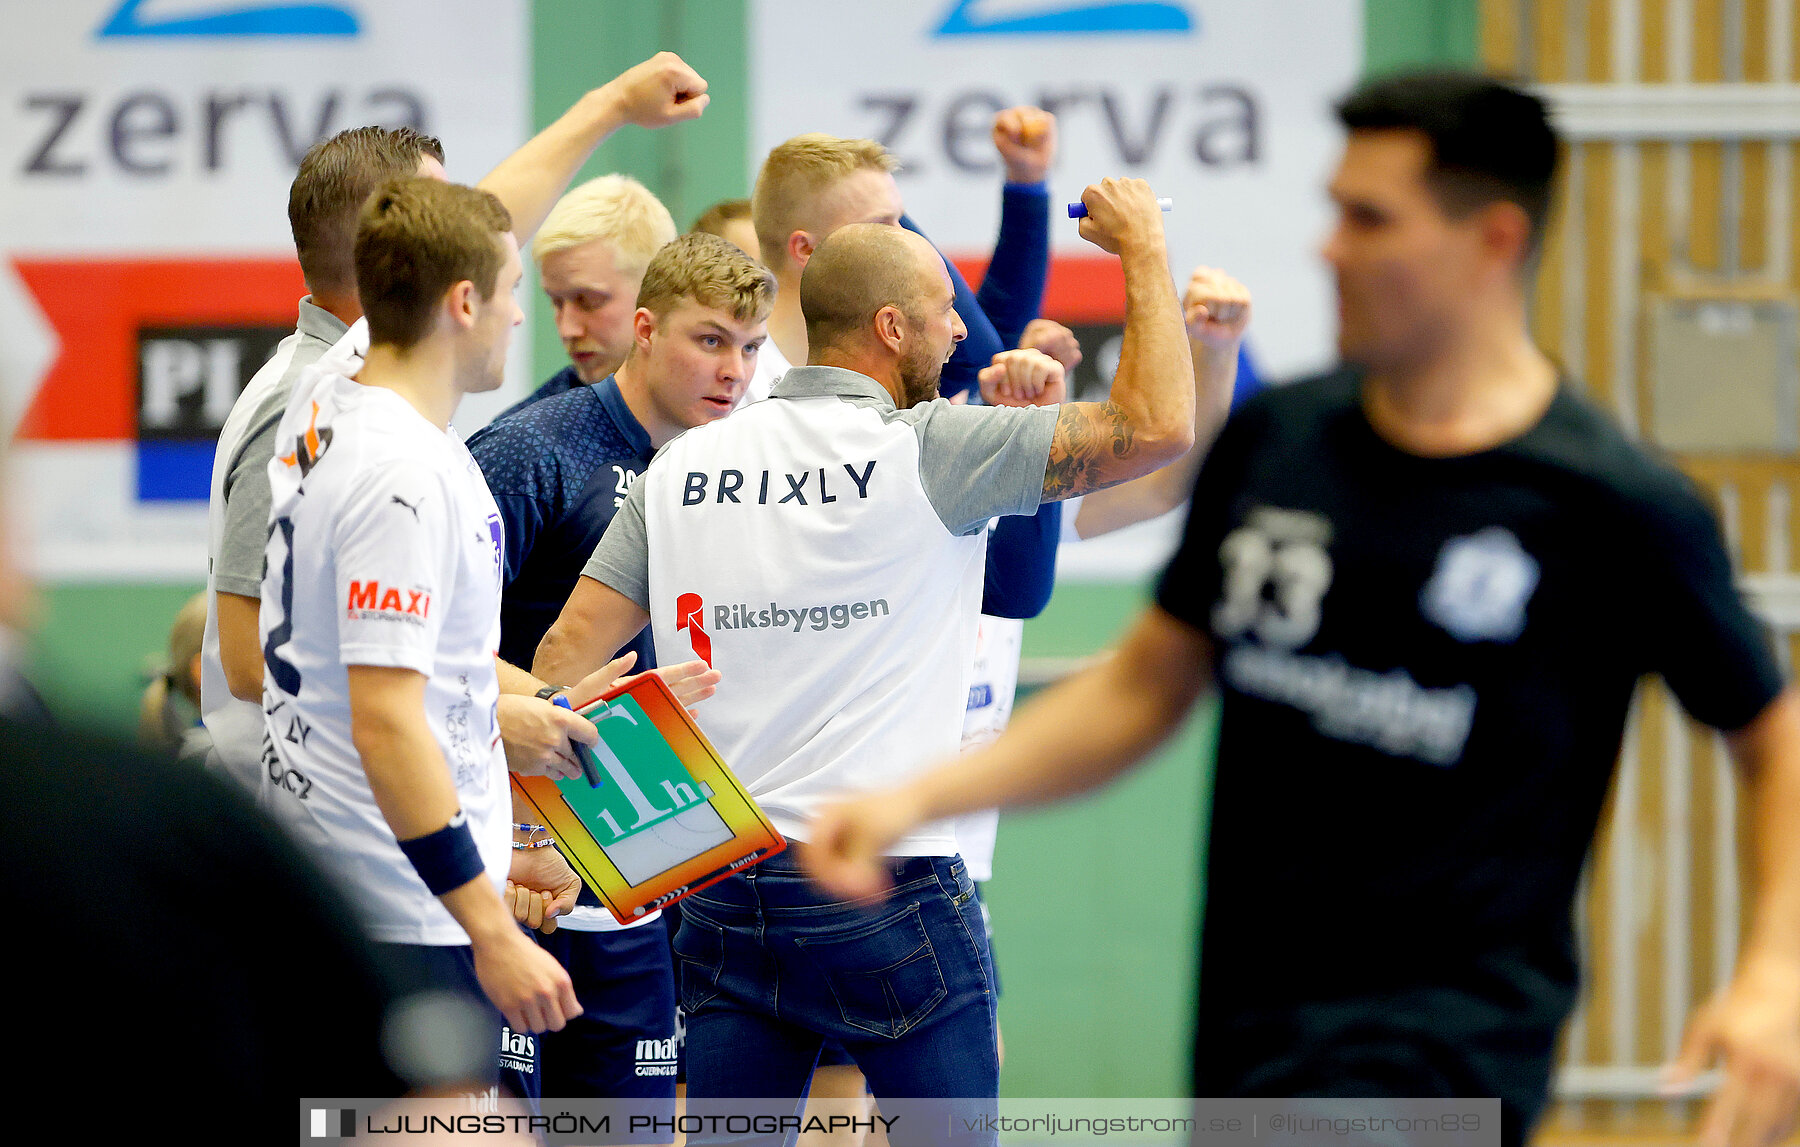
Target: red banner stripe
<point x="1082" y="289"/>
<point x="96" y="307"/>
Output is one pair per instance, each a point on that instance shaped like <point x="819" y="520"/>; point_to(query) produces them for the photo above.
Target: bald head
<point x="856" y="272"/>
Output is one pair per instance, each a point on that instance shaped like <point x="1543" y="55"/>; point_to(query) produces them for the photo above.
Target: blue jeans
<point x="770" y="966"/>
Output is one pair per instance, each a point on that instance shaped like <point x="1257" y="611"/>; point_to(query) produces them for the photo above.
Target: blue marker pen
<point x="1079" y="210"/>
<point x="582" y="752"/>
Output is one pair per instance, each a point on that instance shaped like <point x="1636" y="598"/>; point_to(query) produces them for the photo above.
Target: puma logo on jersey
<point x="413" y="506"/>
<point x="370" y="600"/>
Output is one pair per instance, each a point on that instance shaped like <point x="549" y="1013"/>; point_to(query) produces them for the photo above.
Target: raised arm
<point x="1217" y="310"/>
<point x="1075" y="737"/>
<point x="660" y="91"/>
<point x="1012" y="291"/>
<point x="1753" y="1024"/>
<point x="1149" y="420"/>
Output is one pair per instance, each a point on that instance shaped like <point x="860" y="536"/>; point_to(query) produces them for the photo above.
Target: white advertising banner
<point x="1225" y="107"/>
<point x="146" y="266"/>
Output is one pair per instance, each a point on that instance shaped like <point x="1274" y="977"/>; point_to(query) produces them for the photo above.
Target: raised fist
<point x="1120" y="212"/>
<point x="660" y="91"/>
<point x="1216" y="307"/>
<point x="1022" y="378"/>
<point x="1053" y="339"/>
<point x="1025" y="137"/>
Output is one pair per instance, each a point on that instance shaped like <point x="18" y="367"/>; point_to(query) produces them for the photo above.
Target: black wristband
<point x="446" y="859"/>
<point x="550" y="691"/>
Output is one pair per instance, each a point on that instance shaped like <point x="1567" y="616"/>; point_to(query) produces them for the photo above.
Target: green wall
<point x="94" y="641"/>
<point x="1094" y="901"/>
<point x="1398" y="33"/>
<point x="580" y="44"/>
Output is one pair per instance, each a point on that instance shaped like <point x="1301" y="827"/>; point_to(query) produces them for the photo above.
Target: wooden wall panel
<point x="1753" y="207"/>
<point x="1706" y="205"/>
<point x="1597" y="231"/>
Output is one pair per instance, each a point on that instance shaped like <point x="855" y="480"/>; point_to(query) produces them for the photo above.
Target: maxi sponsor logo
<point x="371" y="601"/>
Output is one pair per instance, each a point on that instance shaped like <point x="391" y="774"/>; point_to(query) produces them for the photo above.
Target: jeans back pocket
<point x="883" y="975"/>
<point x="699" y="948"/>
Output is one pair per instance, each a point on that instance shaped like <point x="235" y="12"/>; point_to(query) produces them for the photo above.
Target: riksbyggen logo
<point x="691" y="615"/>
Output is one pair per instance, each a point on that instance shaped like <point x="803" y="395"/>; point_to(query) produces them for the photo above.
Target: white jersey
<point x="993" y="685"/>
<point x="346" y="355"/>
<point x="771" y="364"/>
<point x="235" y="543"/>
<point x="824" y="552"/>
<point x="385" y="550"/>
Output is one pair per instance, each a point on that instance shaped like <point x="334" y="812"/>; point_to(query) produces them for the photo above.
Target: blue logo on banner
<point x="1070" y="20"/>
<point x="235" y="20"/>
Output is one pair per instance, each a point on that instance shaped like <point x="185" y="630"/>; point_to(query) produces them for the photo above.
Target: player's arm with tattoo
<point x="1149" y="419"/>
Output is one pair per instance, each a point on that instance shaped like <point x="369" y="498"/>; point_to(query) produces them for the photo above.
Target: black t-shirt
<point x="1425" y="667"/>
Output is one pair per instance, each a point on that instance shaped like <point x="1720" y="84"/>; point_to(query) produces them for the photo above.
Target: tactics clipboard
<point x="657" y="814"/>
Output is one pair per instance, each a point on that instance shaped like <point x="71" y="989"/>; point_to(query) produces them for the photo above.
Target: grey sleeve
<point x="622" y="559"/>
<point x="245" y="535"/>
<point x="976" y="462"/>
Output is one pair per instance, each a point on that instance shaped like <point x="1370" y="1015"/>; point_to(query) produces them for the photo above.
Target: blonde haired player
<point x="591" y="253"/>
<point x="813" y="184"/>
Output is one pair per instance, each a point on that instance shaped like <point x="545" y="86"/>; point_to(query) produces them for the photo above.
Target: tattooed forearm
<point x="1122" y="429"/>
<point x="1086" y="433"/>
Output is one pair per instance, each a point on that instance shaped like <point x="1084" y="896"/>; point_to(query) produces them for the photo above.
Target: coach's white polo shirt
<point x="824" y="551"/>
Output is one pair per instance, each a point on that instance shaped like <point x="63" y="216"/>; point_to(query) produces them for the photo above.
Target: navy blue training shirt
<point x="558" y="470"/>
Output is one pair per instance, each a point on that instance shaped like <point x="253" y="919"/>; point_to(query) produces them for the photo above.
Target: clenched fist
<point x="1216" y="307"/>
<point x="1025" y="137"/>
<point x="660" y="91"/>
<point x="1121" y="212"/>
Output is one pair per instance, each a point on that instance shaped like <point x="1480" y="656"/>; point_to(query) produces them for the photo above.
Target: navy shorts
<point x="622" y="1045"/>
